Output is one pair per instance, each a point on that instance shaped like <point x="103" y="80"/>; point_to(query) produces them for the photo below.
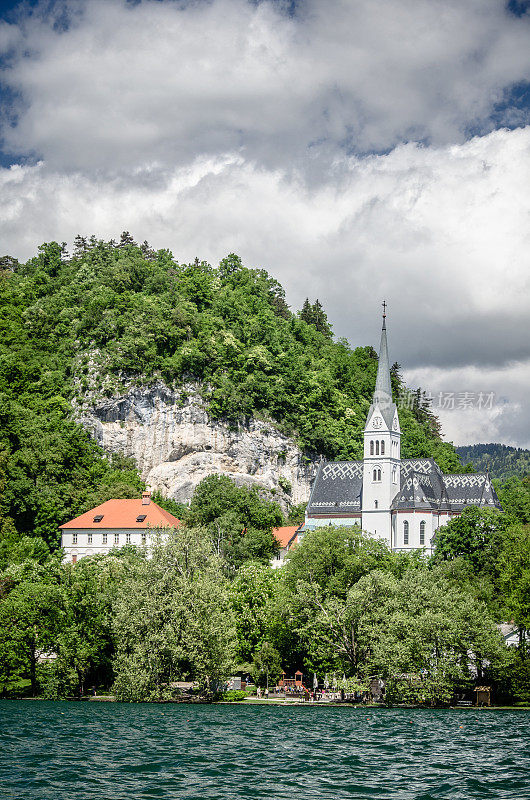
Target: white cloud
<point x="466" y="417"/>
<point x="162" y="83"/>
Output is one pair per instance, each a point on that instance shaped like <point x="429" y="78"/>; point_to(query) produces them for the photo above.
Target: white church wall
<point x="414" y="520"/>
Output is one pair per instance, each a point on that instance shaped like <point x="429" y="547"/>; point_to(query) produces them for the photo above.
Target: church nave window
<point x="405" y="532"/>
<point x="422" y="532"/>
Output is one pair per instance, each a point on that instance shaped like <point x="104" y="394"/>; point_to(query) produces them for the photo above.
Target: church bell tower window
<point x="382" y="448"/>
<point x="371" y="448"/>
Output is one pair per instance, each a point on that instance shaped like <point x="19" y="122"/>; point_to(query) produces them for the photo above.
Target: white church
<point x="402" y="501"/>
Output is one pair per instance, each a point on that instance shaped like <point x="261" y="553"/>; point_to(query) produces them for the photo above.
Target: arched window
<point x="422" y="532"/>
<point x="382" y="448"/>
<point x="405" y="532"/>
<point x="377" y="474"/>
<point x="377" y="448"/>
<point x="375" y="503"/>
<point x="394" y="474"/>
<point x="374" y="475"/>
<point x="371" y="448"/>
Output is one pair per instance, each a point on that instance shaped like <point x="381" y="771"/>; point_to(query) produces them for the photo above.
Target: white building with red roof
<point x="286" y="536"/>
<point x="114" y="523"/>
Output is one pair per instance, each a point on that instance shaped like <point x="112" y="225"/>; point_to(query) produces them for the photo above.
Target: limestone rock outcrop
<point x="176" y="444"/>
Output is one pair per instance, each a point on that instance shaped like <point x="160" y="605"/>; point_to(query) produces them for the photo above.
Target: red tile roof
<point x="122" y="514"/>
<point x="285" y="534"/>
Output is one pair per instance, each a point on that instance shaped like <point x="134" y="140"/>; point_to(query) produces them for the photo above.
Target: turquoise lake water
<point x="113" y="751"/>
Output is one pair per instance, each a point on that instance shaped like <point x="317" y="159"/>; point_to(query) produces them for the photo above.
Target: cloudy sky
<point x="356" y="149"/>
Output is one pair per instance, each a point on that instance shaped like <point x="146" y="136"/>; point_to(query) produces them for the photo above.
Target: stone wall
<point x="175" y="444"/>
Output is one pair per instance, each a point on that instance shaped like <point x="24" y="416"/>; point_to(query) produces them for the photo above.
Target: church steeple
<point x="382" y="451"/>
<point x="383" y="386"/>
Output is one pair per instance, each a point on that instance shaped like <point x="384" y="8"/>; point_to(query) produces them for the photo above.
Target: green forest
<point x="74" y="328"/>
<point x="500" y="460"/>
<point x="208" y="604"/>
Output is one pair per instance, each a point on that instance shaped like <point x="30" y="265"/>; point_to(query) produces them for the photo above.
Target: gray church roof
<point x="337" y="489"/>
<point x="382" y="397"/>
<point x="383" y="386"/>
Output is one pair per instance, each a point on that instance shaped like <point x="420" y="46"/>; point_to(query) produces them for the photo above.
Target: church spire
<point x="383" y="386"/>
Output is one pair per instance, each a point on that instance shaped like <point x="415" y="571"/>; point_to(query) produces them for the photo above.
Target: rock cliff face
<point x="175" y="444"/>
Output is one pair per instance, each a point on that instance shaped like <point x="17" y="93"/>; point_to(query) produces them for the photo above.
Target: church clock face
<point x="377" y="422"/>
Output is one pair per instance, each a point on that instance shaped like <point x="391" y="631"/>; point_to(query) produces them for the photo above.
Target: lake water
<point x="113" y="751"/>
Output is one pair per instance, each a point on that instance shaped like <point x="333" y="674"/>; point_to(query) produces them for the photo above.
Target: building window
<point x="104" y="538"/>
<point x="89" y="538"/>
<point x="127" y="538"/>
<point x="377" y="448"/>
<point x="376" y="503"/>
<point x="74" y="538"/>
<point x="405" y="532"/>
<point x="422" y="532"/>
<point x="377" y="474"/>
<point x="116" y="538"/>
<point x="371" y="448"/>
<point x="74" y="559"/>
<point x="144" y="538"/>
<point x="382" y="448"/>
<point x="394" y="474"/>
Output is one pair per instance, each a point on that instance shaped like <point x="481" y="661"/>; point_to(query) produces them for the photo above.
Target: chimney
<point x="146" y="498"/>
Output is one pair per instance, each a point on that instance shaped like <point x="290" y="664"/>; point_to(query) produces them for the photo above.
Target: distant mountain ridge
<point x="501" y="460"/>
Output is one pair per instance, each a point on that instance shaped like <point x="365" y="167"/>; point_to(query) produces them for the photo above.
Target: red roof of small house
<point x="285" y="534"/>
<point x="124" y="514"/>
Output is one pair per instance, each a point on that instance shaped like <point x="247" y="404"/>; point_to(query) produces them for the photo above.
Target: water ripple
<point x="93" y="751"/>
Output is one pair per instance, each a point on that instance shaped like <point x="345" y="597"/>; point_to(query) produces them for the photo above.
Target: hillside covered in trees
<point x="501" y="460"/>
<point x="86" y="324"/>
<point x="208" y="602"/>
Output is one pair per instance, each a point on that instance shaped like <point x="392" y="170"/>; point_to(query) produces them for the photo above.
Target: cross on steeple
<point x="384" y="313"/>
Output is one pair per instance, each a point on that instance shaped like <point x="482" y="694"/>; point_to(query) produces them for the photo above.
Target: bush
<point x="233" y="695"/>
